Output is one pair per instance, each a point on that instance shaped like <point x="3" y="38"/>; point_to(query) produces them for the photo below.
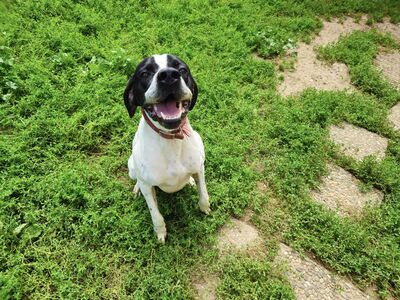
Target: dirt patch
<point x="236" y="235"/>
<point x="310" y="280"/>
<point x="239" y="235"/>
<point x="206" y="287"/>
<point x="334" y="29"/>
<point x="115" y="280"/>
<point x="386" y="26"/>
<point x="358" y="142"/>
<point x="258" y="167"/>
<point x="262" y="187"/>
<point x="309" y="72"/>
<point x="312" y="73"/>
<point x="394" y="116"/>
<point x="256" y="56"/>
<point x="340" y="191"/>
<point x="389" y="64"/>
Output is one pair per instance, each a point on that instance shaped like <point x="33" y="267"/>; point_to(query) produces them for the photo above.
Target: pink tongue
<point x="168" y="108"/>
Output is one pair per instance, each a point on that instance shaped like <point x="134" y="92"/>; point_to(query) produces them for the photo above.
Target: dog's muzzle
<point x="168" y="113"/>
<point x="174" y="103"/>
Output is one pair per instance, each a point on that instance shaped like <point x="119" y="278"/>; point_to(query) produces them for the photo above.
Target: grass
<point x="70" y="227"/>
<point x="246" y="278"/>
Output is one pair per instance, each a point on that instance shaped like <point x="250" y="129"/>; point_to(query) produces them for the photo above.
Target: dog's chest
<point x="178" y="162"/>
<point x="167" y="163"/>
<point x="169" y="169"/>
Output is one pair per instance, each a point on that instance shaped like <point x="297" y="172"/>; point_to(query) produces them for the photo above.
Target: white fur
<point x="161" y="60"/>
<point x="168" y="164"/>
<point x="165" y="163"/>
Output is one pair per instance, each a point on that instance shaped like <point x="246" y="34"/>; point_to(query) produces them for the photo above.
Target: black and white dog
<point x="166" y="151"/>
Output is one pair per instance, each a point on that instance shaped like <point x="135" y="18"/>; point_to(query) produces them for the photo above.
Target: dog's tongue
<point x="168" y="109"/>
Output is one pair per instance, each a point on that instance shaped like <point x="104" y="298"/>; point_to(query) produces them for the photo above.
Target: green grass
<point x="70" y="227"/>
<point x="246" y="278"/>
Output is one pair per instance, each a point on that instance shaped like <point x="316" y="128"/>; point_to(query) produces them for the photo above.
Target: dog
<point x="166" y="151"/>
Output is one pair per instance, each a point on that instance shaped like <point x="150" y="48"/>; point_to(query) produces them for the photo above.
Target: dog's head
<point x="164" y="87"/>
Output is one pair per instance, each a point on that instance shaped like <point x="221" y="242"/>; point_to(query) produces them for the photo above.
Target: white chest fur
<point x="166" y="163"/>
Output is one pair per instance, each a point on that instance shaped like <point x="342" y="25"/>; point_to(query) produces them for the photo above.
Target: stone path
<point x="241" y="236"/>
<point x="237" y="235"/>
<point x="388" y="63"/>
<point x="310" y="280"/>
<point x="358" y="142"/>
<point x="334" y="29"/>
<point x="340" y="191"/>
<point x="386" y="26"/>
<point x="394" y="116"/>
<point x="312" y="73"/>
<point x="206" y="287"/>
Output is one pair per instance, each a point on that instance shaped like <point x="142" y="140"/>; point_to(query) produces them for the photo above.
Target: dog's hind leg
<point x="200" y="179"/>
<point x="192" y="182"/>
<point x="131" y="168"/>
<point x="132" y="175"/>
<point x="149" y="194"/>
<point x="136" y="190"/>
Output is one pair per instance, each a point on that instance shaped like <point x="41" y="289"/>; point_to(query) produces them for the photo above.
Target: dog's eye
<point x="183" y="71"/>
<point x="144" y="74"/>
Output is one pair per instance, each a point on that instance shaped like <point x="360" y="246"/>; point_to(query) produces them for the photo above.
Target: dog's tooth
<point x="162" y="115"/>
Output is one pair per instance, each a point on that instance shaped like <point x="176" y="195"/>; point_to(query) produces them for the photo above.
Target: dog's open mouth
<point x="168" y="113"/>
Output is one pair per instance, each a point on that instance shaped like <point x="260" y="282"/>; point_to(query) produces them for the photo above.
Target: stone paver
<point x="205" y="287"/>
<point x="334" y="29"/>
<point x="238" y="235"/>
<point x="358" y="142"/>
<point x="235" y="236"/>
<point x="340" y="191"/>
<point x="394" y="116"/>
<point x="313" y="73"/>
<point x="310" y="280"/>
<point x="386" y="26"/>
<point x="389" y="64"/>
<point x="262" y="187"/>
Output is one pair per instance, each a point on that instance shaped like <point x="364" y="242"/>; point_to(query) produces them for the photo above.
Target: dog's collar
<point x="178" y="133"/>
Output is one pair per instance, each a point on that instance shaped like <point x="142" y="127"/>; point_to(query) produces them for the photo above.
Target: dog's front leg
<point x="149" y="194"/>
<point x="201" y="186"/>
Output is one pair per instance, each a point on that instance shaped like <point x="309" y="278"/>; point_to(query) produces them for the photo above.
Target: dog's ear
<point x="195" y="92"/>
<point x="129" y="99"/>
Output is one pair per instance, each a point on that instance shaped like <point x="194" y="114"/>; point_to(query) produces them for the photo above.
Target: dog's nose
<point x="168" y="76"/>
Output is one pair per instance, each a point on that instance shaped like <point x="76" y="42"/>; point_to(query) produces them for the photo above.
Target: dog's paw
<point x="205" y="207"/>
<point x="192" y="182"/>
<point x="161" y="237"/>
<point x="136" y="191"/>
<point x="161" y="232"/>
